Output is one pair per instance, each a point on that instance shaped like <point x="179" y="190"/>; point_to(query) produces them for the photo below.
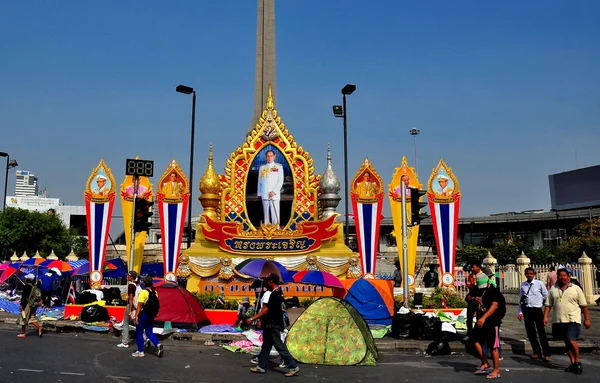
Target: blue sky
<point x="506" y="92"/>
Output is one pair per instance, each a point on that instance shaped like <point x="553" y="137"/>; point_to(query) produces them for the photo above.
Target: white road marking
<point x="163" y="380"/>
<point x="72" y="373"/>
<point x="29" y="370"/>
<point x="118" y="377"/>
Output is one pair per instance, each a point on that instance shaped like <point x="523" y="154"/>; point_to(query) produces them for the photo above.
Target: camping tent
<point x="373" y="298"/>
<point x="180" y="307"/>
<point x="331" y="331"/>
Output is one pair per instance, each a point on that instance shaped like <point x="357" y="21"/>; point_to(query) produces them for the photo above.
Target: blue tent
<point x="367" y="300"/>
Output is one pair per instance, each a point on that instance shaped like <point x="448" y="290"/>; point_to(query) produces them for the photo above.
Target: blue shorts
<point x="566" y="331"/>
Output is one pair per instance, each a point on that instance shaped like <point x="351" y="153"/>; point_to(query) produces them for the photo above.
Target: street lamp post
<point x="415" y="132"/>
<point x="188" y="90"/>
<point x="341" y="111"/>
<point x="9" y="164"/>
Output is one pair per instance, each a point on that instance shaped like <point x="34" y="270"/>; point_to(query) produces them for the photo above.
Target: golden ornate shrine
<point x="232" y="230"/>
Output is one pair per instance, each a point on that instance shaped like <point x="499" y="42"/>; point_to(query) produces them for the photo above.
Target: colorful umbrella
<point x="319" y="278"/>
<point x="33" y="262"/>
<point x="85" y="269"/>
<point x="4" y="266"/>
<point x="62" y="266"/>
<point x="260" y="268"/>
<point x="8" y="273"/>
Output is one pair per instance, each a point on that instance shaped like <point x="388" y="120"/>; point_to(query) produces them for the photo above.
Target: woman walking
<point x="146" y="310"/>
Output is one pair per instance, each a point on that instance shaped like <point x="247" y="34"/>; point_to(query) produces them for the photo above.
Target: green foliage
<point x="209" y="302"/>
<point x="22" y="230"/>
<point x="587" y="238"/>
<point x="305" y="302"/>
<point x="466" y="253"/>
<point x="506" y="253"/>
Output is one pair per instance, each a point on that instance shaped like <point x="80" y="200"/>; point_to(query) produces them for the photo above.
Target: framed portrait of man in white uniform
<point x="269" y="189"/>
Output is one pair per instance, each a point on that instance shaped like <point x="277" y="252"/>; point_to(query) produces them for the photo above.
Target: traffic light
<point x="416" y="205"/>
<point x="141" y="215"/>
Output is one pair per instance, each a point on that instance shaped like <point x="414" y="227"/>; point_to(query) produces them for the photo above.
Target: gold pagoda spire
<point x="210" y="189"/>
<point x="270" y="100"/>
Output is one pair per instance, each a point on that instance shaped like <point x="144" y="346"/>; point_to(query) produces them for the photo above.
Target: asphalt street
<point x="88" y="358"/>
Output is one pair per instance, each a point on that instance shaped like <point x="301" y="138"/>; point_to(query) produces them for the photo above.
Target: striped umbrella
<point x="33" y="262"/>
<point x="85" y="269"/>
<point x="62" y="266"/>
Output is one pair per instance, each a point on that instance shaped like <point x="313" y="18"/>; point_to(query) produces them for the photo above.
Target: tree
<point x="23" y="230"/>
<point x="506" y="252"/>
<point x="470" y="252"/>
<point x="587" y="238"/>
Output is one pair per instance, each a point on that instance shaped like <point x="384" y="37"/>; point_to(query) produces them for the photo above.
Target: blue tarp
<point x="368" y="302"/>
<point x="153" y="269"/>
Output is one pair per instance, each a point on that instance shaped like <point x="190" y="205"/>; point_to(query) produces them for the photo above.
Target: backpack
<point x="35" y="297"/>
<point x="152" y="305"/>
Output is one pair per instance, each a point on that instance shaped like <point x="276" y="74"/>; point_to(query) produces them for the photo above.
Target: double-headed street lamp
<point x="188" y="90"/>
<point x="341" y="111"/>
<point x="415" y="132"/>
<point x="9" y="164"/>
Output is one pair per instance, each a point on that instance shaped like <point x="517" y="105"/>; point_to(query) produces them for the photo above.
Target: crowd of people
<point x="559" y="301"/>
<point x="559" y="296"/>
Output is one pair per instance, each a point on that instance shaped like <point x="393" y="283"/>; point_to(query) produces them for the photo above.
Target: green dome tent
<point x="331" y="331"/>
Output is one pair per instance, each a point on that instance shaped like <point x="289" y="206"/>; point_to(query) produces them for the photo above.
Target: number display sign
<point x="140" y="168"/>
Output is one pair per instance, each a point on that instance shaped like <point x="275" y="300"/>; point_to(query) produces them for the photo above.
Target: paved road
<point x="87" y="358"/>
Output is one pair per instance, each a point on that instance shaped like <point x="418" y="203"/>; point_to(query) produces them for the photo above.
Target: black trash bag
<point x="94" y="313"/>
<point x="428" y="328"/>
<point x="439" y="347"/>
<point x="403" y="325"/>
<point x="85" y="298"/>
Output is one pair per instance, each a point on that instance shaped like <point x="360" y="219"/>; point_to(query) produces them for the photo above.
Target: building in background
<point x="26" y="184"/>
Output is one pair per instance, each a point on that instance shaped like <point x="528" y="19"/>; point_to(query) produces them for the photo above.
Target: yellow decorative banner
<point x="404" y="176"/>
<point x="145" y="192"/>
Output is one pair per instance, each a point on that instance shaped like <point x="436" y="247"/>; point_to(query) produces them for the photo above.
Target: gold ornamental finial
<point x="270" y="101"/>
<point x="210" y="188"/>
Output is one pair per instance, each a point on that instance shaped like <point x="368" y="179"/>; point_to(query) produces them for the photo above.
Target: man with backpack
<point x="273" y="323"/>
<point x="31" y="299"/>
<point x="133" y="291"/>
<point x="147" y="309"/>
<point x="490" y="310"/>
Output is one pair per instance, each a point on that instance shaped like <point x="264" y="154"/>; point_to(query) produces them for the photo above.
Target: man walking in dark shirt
<point x="273" y="324"/>
<point x="491" y="308"/>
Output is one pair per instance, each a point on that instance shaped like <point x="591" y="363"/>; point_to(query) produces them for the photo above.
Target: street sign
<point x="139" y="168"/>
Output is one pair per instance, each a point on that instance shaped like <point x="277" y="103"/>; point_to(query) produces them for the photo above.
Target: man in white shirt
<point x="270" y="181"/>
<point x="532" y="296"/>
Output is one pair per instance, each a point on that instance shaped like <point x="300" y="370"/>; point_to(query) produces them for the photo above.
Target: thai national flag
<point x="221" y="300"/>
<point x="71" y="295"/>
<point x="172" y="223"/>
<point x="367" y="218"/>
<point x="444" y="217"/>
<point x="98" y="225"/>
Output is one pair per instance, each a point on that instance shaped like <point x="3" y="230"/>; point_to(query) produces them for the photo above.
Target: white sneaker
<point x="123" y="345"/>
<point x="292" y="371"/>
<point x="146" y="343"/>
<point x="254" y="360"/>
<point x="138" y="354"/>
<point x="282" y="365"/>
